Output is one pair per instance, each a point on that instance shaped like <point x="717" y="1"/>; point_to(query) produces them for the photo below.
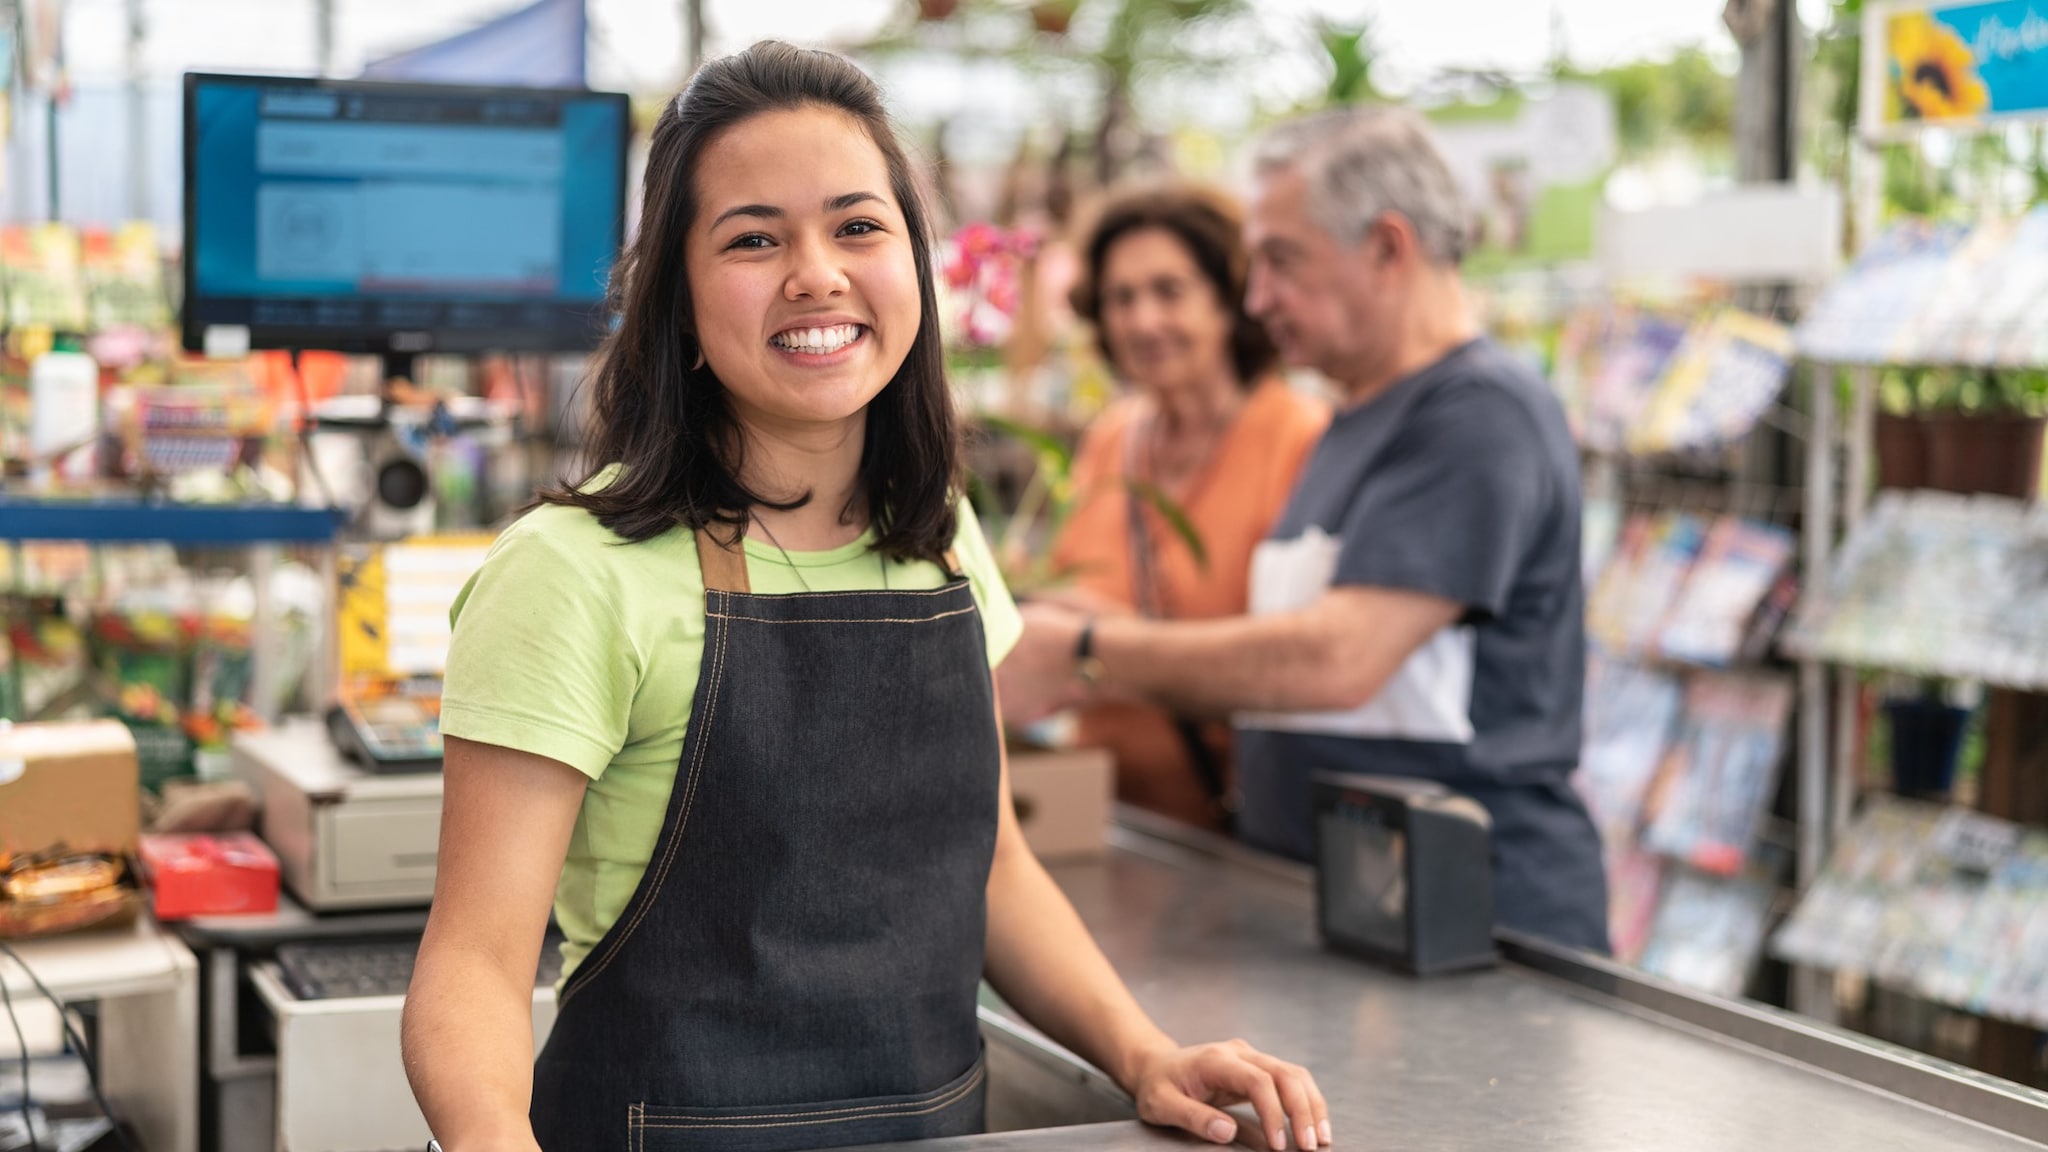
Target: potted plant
<point x="1963" y="430"/>
<point x="1053" y="17"/>
<point x="1926" y="740"/>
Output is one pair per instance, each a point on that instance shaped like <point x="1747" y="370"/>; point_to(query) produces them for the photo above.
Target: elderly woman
<point x="1209" y="426"/>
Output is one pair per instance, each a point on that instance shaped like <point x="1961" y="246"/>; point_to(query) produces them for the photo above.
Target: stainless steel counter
<point x="1580" y="1056"/>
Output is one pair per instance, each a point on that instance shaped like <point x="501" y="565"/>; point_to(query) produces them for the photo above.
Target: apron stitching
<point x="883" y="620"/>
<point x="660" y="874"/>
<point x="939" y="591"/>
<point x="836" y="1116"/>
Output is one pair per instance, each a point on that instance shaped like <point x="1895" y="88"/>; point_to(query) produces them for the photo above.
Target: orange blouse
<point x="1231" y="503"/>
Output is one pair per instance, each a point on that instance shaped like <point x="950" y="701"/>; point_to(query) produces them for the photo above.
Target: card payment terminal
<point x="388" y="733"/>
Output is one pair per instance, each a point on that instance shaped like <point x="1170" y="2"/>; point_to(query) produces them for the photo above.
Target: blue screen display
<point x="337" y="215"/>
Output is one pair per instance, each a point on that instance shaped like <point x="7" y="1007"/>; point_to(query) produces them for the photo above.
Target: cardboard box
<point x="73" y="785"/>
<point x="201" y="874"/>
<point x="1063" y="797"/>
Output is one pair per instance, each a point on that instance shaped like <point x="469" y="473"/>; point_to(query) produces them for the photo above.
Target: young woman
<point x="728" y="703"/>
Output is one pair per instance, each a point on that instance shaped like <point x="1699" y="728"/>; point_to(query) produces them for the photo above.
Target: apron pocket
<point x="954" y="1109"/>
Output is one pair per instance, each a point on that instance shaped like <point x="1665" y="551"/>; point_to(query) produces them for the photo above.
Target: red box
<point x="209" y="875"/>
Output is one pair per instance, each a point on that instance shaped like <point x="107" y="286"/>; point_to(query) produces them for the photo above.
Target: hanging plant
<point x="1053" y="17"/>
<point x="982" y="265"/>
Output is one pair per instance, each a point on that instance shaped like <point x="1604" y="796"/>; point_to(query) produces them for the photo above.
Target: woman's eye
<point x="752" y="240"/>
<point x="861" y="228"/>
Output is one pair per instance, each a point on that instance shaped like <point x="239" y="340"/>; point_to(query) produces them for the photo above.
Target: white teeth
<point x="818" y="340"/>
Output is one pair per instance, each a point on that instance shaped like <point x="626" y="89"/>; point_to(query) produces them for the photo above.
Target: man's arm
<point x="1337" y="653"/>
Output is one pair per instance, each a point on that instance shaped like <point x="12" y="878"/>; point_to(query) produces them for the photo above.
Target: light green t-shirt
<point x="571" y="644"/>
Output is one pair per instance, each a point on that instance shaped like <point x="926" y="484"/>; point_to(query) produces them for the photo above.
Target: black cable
<point x="92" y="1064"/>
<point x="27" y="1118"/>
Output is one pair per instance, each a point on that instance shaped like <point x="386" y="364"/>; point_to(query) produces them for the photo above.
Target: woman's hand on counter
<point x="1189" y="1088"/>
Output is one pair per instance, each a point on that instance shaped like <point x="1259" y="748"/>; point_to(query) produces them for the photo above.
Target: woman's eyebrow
<point x="764" y="211"/>
<point x="771" y="212"/>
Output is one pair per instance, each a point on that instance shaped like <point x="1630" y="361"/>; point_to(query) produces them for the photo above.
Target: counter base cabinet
<point x="145" y="984"/>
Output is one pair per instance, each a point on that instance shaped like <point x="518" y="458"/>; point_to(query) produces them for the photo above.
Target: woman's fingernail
<point x="1307" y="1136"/>
<point x="1279" y="1139"/>
<point x="1323" y="1130"/>
<point x="1221" y="1130"/>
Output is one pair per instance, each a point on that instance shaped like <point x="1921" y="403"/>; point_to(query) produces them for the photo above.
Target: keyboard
<point x="336" y="969"/>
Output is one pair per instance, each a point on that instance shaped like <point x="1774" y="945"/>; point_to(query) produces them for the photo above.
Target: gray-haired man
<point x="1417" y="610"/>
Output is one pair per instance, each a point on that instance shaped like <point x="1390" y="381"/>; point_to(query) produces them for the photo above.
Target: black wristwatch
<point x="1087" y="665"/>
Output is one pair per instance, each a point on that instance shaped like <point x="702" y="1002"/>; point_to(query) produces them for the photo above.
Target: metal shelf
<point x="120" y="521"/>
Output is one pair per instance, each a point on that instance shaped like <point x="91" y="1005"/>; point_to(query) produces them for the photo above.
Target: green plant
<point x="1352" y="53"/>
<point x="1908" y="389"/>
<point x="1022" y="536"/>
<point x="1122" y="48"/>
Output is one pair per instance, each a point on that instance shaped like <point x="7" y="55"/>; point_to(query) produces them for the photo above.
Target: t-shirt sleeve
<point x="1454" y="507"/>
<point x="1304" y="431"/>
<point x="1001" y="624"/>
<point x="539" y="661"/>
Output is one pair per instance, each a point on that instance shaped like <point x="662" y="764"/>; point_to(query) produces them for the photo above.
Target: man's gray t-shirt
<point x="1460" y="481"/>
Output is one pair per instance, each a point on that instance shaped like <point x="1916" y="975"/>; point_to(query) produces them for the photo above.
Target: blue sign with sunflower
<point x="1959" y="64"/>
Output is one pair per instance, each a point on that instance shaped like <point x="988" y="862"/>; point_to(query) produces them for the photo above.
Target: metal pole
<point x="1812" y="989"/>
<point x="266" y="696"/>
<point x="323" y="35"/>
<point x="50" y="111"/>
<point x="1786" y="34"/>
<point x="693" y="26"/>
<point x="138" y="117"/>
<point x="1861" y="432"/>
<point x="1817" y="537"/>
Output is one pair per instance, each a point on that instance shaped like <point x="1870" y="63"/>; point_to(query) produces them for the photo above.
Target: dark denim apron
<point x="798" y="967"/>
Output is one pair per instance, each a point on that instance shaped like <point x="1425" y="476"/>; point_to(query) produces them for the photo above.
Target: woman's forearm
<point x="468" y="1042"/>
<point x="1042" y="960"/>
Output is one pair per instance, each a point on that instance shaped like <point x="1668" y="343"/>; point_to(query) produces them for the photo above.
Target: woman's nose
<point x="816" y="271"/>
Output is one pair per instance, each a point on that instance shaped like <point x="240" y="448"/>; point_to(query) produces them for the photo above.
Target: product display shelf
<point x="1840" y="494"/>
<point x="263" y="528"/>
<point x="128" y="521"/>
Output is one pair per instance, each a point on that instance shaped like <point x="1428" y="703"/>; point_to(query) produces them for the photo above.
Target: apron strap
<point x="725" y="565"/>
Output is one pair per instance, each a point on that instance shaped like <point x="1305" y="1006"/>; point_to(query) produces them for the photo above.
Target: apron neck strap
<point x="724" y="564"/>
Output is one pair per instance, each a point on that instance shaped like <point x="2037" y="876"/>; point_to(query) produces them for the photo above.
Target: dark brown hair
<point x="668" y="422"/>
<point x="1208" y="222"/>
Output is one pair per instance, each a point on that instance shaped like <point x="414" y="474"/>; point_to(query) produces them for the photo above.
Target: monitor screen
<point x="398" y="218"/>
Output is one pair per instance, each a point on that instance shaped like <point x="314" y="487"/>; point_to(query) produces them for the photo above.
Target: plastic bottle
<point x="64" y="414"/>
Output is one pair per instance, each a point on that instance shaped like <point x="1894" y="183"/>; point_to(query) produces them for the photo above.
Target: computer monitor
<point x="398" y="218"/>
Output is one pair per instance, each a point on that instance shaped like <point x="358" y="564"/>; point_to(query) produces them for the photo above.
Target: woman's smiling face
<point x="801" y="270"/>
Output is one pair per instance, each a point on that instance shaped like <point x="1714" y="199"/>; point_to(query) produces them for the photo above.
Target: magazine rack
<point x="1890" y="310"/>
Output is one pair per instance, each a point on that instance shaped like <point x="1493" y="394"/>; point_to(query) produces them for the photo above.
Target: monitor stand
<point x="400" y="370"/>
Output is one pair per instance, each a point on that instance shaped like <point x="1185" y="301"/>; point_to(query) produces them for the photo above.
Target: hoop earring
<point x="699" y="365"/>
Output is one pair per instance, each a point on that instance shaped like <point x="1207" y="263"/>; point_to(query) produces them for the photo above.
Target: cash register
<point x="352" y="801"/>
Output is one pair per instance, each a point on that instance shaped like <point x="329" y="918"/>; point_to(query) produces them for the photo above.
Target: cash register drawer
<point x="386" y="849"/>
